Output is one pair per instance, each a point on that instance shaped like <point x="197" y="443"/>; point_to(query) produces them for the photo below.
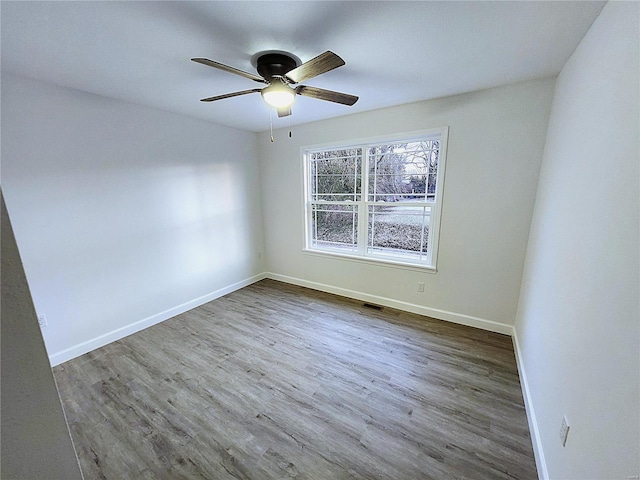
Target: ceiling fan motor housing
<point x="275" y="65"/>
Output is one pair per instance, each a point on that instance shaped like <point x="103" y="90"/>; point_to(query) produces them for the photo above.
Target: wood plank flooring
<point x="276" y="381"/>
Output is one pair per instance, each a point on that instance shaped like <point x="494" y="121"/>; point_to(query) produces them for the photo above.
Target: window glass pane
<point x="334" y="227"/>
<point x="431" y="187"/>
<point x="399" y="231"/>
<point x="336" y="175"/>
<point x="402" y="171"/>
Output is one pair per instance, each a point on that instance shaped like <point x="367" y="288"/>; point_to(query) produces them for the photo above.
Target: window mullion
<point x="424" y="212"/>
<point x="355" y="178"/>
<point x="375" y="181"/>
<point x="362" y="204"/>
<point x="315" y="180"/>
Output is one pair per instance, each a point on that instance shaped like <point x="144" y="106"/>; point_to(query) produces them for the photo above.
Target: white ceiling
<point x="395" y="52"/>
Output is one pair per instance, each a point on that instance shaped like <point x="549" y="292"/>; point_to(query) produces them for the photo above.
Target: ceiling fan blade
<point x="284" y="112"/>
<point x="322" y="63"/>
<point x="227" y="68"/>
<point x="229" y="95"/>
<point x="328" y="95"/>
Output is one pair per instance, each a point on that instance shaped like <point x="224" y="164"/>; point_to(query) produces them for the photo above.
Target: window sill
<point x="372" y="261"/>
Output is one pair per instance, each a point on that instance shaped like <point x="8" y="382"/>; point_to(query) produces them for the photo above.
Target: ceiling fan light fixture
<point x="278" y="95"/>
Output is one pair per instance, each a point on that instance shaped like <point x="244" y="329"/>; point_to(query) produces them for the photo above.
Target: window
<point x="378" y="200"/>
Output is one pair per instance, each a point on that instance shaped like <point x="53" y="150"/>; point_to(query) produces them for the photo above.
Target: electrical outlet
<point x="564" y="430"/>
<point x="421" y="286"/>
<point x="42" y="320"/>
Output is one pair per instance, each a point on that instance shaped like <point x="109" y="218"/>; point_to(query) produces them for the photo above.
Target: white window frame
<point x="362" y="255"/>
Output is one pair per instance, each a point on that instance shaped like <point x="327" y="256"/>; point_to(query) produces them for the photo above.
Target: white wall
<point x="578" y="322"/>
<point x="123" y="214"/>
<point x="496" y="140"/>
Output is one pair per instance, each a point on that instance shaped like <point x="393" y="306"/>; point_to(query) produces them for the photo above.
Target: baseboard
<point x="400" y="305"/>
<point x="85" y="347"/>
<point x="538" y="452"/>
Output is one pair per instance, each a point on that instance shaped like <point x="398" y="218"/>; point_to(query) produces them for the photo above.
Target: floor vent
<point x="372" y="306"/>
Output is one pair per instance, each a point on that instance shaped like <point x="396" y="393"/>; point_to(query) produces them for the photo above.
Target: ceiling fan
<point x="282" y="73"/>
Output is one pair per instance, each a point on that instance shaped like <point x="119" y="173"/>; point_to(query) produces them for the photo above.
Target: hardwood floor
<point x="276" y="381"/>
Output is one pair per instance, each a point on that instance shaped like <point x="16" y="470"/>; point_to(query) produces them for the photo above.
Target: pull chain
<point x="271" y="124"/>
